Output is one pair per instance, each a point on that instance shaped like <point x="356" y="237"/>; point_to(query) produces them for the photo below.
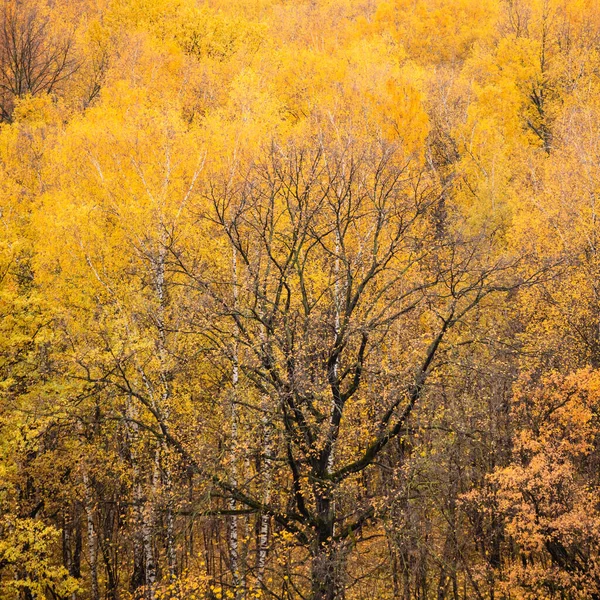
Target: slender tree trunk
<point x="76" y="562"/>
<point x="92" y="541"/>
<point x="263" y="544"/>
<point x="72" y="544"/>
<point x="263" y="530"/>
<point x="109" y="554"/>
<point x="233" y="536"/>
<point x="66" y="539"/>
<point x="165" y="379"/>
<point x="170" y="519"/>
<point x="148" y="530"/>
<point x="138" y="576"/>
<point x="234" y="551"/>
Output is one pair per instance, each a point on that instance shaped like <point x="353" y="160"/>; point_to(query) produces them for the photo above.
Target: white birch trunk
<point x="234" y="552"/>
<point x="148" y="519"/>
<point x="170" y="517"/>
<point x="92" y="541"/>
<point x="263" y="532"/>
<point x="165" y="381"/>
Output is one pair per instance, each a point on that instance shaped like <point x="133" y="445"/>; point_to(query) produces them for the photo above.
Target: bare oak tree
<point x="349" y="280"/>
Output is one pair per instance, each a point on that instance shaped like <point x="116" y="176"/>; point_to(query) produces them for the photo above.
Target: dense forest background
<point x="299" y="299"/>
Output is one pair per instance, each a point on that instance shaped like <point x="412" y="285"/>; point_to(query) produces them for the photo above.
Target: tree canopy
<point x="299" y="300"/>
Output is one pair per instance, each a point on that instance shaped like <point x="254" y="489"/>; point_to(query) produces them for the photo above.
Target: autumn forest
<point x="299" y="299"/>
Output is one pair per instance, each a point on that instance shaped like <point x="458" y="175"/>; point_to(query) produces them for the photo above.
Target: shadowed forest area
<point x="299" y="300"/>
